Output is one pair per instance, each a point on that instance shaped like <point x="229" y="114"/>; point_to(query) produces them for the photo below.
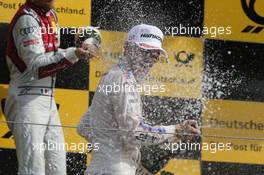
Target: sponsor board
<point x="71" y="13"/>
<point x="245" y="18"/>
<point x="181" y="76"/>
<point x="242" y="125"/>
<point x="72" y="104"/>
<point x="180" y="167"/>
<point x="111" y="49"/>
<point x="6" y="137"/>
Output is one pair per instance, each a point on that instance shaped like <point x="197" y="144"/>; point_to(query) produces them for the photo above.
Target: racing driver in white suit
<point x="116" y="117"/>
<point x="33" y="58"/>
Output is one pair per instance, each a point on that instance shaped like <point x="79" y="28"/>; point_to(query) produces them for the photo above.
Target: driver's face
<point x="142" y="60"/>
<point x="150" y="57"/>
<point x="45" y="4"/>
<point x="147" y="58"/>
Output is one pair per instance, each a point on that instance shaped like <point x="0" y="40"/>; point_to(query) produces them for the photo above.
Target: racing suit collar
<point x="40" y="11"/>
<point x="123" y="64"/>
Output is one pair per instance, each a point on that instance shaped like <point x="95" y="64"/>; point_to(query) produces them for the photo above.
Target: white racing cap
<point x="147" y="37"/>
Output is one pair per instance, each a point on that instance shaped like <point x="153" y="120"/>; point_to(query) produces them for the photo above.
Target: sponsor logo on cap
<point x="149" y="35"/>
